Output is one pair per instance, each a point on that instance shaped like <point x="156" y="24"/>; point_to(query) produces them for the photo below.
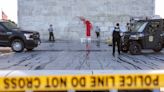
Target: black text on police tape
<point x="74" y="81"/>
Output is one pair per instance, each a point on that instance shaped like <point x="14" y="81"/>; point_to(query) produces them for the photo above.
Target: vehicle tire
<point x="29" y="49"/>
<point x="17" y="45"/>
<point x="135" y="48"/>
<point x="158" y="47"/>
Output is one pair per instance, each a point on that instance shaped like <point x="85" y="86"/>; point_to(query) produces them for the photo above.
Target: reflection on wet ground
<point x="78" y="56"/>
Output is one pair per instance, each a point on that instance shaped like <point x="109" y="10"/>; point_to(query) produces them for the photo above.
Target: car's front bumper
<point x="32" y="43"/>
<point x="124" y="41"/>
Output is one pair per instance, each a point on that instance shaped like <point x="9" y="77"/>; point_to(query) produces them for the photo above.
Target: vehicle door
<point x="152" y="34"/>
<point x="4" y="36"/>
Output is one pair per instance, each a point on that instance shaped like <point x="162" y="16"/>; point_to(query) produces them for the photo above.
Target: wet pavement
<point x="67" y="55"/>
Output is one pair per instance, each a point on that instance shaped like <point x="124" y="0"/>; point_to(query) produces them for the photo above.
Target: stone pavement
<point x="78" y="56"/>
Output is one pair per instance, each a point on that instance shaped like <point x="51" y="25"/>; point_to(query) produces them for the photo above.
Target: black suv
<point x="16" y="38"/>
<point x="145" y="34"/>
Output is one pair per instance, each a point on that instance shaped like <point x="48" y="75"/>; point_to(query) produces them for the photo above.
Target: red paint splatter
<point x="88" y="26"/>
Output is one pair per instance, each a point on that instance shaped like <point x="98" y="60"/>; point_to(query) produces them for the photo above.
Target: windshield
<point x="10" y="25"/>
<point x="139" y="26"/>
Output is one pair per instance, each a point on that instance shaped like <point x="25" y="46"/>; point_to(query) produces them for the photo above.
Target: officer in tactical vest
<point x="116" y="38"/>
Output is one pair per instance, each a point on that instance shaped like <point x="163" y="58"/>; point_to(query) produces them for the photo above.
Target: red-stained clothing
<point x="88" y="28"/>
<point x="88" y="25"/>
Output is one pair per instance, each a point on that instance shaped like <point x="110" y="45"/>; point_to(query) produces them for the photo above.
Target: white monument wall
<point x="63" y="14"/>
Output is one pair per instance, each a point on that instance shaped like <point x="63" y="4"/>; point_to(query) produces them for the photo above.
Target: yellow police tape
<point x="82" y="82"/>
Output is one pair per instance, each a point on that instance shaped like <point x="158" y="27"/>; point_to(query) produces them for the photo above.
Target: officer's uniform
<point x="116" y="39"/>
<point x="51" y="34"/>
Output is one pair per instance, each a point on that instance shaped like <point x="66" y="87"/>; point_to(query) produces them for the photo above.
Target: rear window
<point x="10" y="25"/>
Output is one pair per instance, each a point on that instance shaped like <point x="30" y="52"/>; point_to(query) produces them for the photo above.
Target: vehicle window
<point x="153" y="27"/>
<point x="10" y="25"/>
<point x="142" y="27"/>
<point x="1" y="28"/>
<point x="139" y="26"/>
<point x="150" y="29"/>
<point x="155" y="24"/>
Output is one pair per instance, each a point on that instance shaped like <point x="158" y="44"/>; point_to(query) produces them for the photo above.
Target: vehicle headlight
<point x="28" y="36"/>
<point x="122" y="34"/>
<point x="141" y="35"/>
<point x="136" y="36"/>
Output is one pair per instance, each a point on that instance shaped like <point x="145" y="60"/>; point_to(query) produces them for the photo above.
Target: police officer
<point x="51" y="34"/>
<point x="97" y="31"/>
<point x="116" y="38"/>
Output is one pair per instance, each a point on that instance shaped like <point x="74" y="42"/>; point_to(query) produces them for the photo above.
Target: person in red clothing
<point x="88" y="26"/>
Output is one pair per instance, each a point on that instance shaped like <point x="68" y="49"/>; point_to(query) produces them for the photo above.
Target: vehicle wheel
<point x="158" y="47"/>
<point x="135" y="48"/>
<point x="17" y="45"/>
<point x="29" y="49"/>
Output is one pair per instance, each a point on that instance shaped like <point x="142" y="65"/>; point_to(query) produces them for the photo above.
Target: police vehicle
<point x="16" y="38"/>
<point x="144" y="34"/>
